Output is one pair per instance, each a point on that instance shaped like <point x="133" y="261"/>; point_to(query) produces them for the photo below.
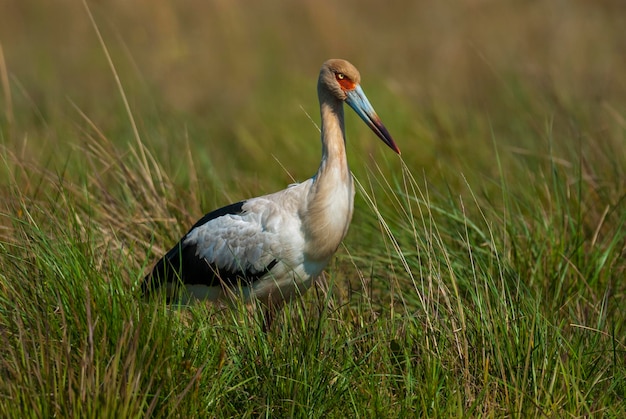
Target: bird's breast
<point x="327" y="218"/>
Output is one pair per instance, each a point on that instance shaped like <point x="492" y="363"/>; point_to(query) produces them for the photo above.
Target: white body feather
<point x="272" y="227"/>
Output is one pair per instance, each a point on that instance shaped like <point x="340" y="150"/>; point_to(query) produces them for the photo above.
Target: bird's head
<point x="342" y="80"/>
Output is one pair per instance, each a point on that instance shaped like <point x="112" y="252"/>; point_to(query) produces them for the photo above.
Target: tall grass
<point x="483" y="274"/>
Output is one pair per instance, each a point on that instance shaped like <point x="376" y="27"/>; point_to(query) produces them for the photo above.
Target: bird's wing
<point x="229" y="246"/>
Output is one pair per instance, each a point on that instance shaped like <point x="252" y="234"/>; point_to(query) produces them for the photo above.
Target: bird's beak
<point x="358" y="101"/>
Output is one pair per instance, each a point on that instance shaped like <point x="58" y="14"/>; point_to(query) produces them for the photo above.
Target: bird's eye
<point x="344" y="81"/>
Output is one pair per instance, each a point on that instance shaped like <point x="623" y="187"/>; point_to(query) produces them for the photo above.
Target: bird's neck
<point x="334" y="165"/>
<point x="331" y="197"/>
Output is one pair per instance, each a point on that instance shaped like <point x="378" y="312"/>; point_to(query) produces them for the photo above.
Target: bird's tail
<point x="156" y="278"/>
<point x="165" y="271"/>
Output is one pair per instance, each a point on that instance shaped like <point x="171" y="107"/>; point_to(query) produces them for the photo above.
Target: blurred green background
<point x="237" y="78"/>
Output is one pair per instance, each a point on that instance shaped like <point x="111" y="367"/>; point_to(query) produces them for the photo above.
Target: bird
<point x="272" y="248"/>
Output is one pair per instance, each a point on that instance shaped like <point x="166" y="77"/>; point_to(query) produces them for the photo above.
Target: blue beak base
<point x="358" y="101"/>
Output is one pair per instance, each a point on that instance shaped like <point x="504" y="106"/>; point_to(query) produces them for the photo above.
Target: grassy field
<point x="484" y="274"/>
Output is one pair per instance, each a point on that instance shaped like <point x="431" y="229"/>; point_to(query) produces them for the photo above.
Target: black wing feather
<point x="181" y="263"/>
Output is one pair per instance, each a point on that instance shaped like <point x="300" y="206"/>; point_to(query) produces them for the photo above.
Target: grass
<point x="483" y="274"/>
